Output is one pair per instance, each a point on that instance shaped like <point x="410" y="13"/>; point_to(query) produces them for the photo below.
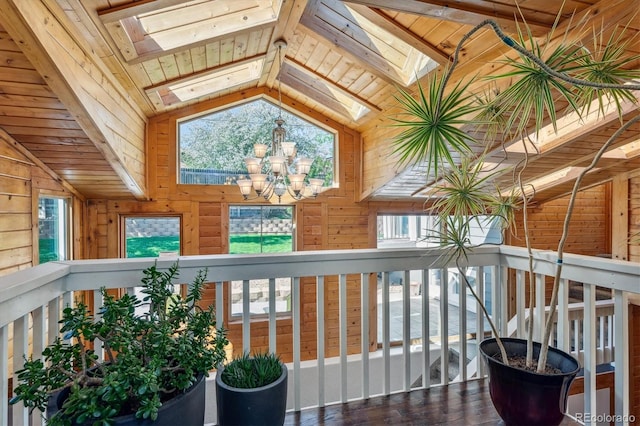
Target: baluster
<point x="342" y="302"/>
<point x="462" y="341"/>
<point x="364" y="337"/>
<point x="295" y="318"/>
<point x="589" y="339"/>
<point x="320" y="338"/>
<point x="621" y="356"/>
<point x="246" y="316"/>
<point x="386" y="346"/>
<point x="444" y="327"/>
<point x="20" y="348"/>
<point x="406" y="330"/>
<point x="563" y="316"/>
<point x="480" y="322"/>
<point x="4" y="374"/>
<point x="426" y="320"/>
<point x="272" y="315"/>
<point x="520" y="304"/>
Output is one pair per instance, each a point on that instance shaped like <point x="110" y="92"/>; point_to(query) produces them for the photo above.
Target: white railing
<point x="31" y="301"/>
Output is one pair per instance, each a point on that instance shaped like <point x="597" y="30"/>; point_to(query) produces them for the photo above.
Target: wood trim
<point x="620" y="218"/>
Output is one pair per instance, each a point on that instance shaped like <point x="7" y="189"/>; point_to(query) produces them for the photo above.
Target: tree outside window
<point x="213" y="147"/>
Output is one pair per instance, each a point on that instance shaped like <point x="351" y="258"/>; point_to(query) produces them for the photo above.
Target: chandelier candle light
<point x="283" y="171"/>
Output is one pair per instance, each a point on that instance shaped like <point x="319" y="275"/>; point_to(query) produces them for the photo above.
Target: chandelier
<point x="281" y="172"/>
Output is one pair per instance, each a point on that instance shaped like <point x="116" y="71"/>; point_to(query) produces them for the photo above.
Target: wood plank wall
<point x="21" y="180"/>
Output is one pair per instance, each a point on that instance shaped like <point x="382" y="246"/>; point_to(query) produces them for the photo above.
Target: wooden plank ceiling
<point x="344" y="59"/>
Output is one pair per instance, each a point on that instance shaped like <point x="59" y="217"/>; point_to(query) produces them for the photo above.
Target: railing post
<point x="621" y="356"/>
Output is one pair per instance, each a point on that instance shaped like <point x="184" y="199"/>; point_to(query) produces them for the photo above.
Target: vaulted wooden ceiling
<point x="80" y="78"/>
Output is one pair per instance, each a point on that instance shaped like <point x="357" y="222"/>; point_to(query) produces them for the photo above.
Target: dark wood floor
<point x="456" y="404"/>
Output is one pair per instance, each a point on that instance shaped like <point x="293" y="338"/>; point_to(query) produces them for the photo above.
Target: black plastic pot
<point x="528" y="398"/>
<point x="265" y="405"/>
<point x="186" y="409"/>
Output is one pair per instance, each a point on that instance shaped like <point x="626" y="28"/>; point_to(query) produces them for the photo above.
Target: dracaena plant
<point x="154" y="348"/>
<point x="448" y="125"/>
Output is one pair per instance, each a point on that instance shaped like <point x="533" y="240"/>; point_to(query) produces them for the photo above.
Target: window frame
<point x="122" y="246"/>
<point x="238" y="318"/>
<point x="68" y="232"/>
<point x="197" y="188"/>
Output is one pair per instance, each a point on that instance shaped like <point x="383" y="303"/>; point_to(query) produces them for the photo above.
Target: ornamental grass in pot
<point x="157" y="351"/>
<point x="252" y="391"/>
<point x="452" y="129"/>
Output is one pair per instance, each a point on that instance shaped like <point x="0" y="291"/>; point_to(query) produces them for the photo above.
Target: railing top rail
<point x="24" y="290"/>
<point x="608" y="273"/>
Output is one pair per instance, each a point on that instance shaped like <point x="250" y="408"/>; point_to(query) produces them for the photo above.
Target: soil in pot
<point x="527" y="398"/>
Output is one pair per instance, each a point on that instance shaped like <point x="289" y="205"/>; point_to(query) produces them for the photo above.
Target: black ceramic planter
<point x="528" y="398"/>
<point x="265" y="405"/>
<point x="186" y="409"/>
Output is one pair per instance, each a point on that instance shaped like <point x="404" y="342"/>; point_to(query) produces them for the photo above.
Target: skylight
<point x="185" y="24"/>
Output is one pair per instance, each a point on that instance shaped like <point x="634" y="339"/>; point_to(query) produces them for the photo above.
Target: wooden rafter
<point x="470" y="13"/>
<point x="333" y="85"/>
<point x="290" y="14"/>
<point x="359" y="59"/>
<point x="210" y="71"/>
<point x="384" y="21"/>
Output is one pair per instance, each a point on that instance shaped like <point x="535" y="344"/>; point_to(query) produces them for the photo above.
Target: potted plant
<point x="157" y="352"/>
<point x="441" y="128"/>
<point x="252" y="390"/>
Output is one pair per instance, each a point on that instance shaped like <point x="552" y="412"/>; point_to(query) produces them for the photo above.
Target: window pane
<point x="213" y="147"/>
<point x="53" y="229"/>
<point x="152" y="236"/>
<point x="261" y="229"/>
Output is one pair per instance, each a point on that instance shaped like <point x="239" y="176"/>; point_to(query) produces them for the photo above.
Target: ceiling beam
<point x="288" y="19"/>
<point x="209" y="71"/>
<point x="101" y="107"/>
<point x="469" y="13"/>
<point x="384" y="21"/>
<point x="333" y="85"/>
<point x="159" y="52"/>
<point x="341" y="48"/>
